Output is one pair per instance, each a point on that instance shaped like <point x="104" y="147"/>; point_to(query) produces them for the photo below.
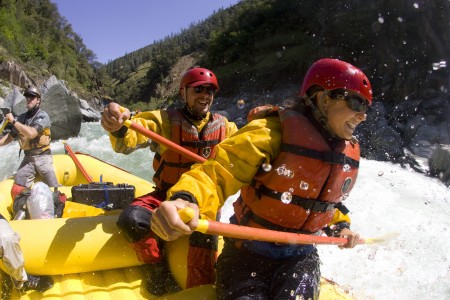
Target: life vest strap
<point x="200" y="144"/>
<point x="187" y="165"/>
<point x="307" y="204"/>
<point x="325" y="156"/>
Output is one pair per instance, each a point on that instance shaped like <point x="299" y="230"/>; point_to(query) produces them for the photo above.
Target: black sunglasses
<point x="209" y="89"/>
<point x="354" y="102"/>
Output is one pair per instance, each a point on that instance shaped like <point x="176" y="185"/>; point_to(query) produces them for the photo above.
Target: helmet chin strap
<point x="318" y="113"/>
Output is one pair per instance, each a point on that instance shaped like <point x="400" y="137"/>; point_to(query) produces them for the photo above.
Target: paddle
<point x="77" y="162"/>
<point x="266" y="235"/>
<point x="5" y="111"/>
<point x="162" y="140"/>
<point x="3" y="126"/>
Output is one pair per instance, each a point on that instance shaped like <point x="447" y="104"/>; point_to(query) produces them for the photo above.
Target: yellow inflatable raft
<point x="84" y="251"/>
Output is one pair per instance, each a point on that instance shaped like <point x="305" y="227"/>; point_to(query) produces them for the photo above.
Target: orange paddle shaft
<point x="259" y="234"/>
<point x="163" y="141"/>
<point x="77" y="162"/>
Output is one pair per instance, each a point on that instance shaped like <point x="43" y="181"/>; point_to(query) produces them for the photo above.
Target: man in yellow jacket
<point x="193" y="127"/>
<point x="294" y="166"/>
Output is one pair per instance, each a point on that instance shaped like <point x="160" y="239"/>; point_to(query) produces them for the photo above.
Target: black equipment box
<point x="104" y="195"/>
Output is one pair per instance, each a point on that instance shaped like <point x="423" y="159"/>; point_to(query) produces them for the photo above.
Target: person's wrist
<point x="120" y="133"/>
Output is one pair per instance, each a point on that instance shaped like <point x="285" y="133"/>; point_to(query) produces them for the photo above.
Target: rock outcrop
<point x="13" y="73"/>
<point x="440" y="163"/>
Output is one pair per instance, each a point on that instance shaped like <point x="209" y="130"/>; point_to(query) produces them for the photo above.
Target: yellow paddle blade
<point x="382" y="239"/>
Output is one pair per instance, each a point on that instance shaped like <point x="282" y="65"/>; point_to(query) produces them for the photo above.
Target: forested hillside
<point x="255" y="47"/>
<point x="259" y="46"/>
<point x="34" y="35"/>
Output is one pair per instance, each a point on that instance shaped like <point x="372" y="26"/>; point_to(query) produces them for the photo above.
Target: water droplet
<point x="253" y="274"/>
<point x="266" y="167"/>
<point x="286" y="197"/>
<point x="240" y="103"/>
<point x="280" y="170"/>
<point x="381" y="20"/>
<point x="295" y="275"/>
<point x="231" y="165"/>
<point x="344" y="196"/>
<point x="308" y="211"/>
<point x="346" y="168"/>
<point x="304" y="185"/>
<point x="380" y="173"/>
<point x="416" y="5"/>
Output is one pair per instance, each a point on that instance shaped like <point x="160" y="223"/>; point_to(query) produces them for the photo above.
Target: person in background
<point x="12" y="258"/>
<point x="32" y="129"/>
<point x="193" y="127"/>
<point x="294" y="166"/>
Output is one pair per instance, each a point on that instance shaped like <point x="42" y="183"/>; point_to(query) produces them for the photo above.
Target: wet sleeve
<point x="231" y="128"/>
<point x="127" y="140"/>
<point x="237" y="161"/>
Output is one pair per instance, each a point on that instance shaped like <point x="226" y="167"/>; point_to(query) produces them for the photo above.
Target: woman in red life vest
<point x="294" y="166"/>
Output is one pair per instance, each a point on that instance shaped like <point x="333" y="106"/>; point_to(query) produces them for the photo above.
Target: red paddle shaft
<point x="77" y="162"/>
<point x="163" y="141"/>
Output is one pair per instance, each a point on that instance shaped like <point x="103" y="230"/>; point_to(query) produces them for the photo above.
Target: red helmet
<point x="198" y="76"/>
<point x="333" y="74"/>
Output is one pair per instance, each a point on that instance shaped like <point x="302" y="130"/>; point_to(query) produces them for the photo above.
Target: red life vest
<point x="169" y="166"/>
<point x="308" y="180"/>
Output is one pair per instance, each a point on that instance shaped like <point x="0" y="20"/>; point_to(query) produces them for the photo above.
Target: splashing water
<point x="283" y="171"/>
<point x="240" y="104"/>
<point x="304" y="185"/>
<point x="266" y="167"/>
<point x="286" y="197"/>
<point x="92" y="140"/>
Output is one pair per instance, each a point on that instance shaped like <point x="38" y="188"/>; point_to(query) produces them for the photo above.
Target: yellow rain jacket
<point x="237" y="161"/>
<point x="157" y="121"/>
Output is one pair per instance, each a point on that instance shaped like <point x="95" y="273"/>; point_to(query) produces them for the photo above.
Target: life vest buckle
<point x="319" y="206"/>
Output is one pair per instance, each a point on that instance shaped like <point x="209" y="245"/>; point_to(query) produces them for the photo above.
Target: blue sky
<point x="113" y="28"/>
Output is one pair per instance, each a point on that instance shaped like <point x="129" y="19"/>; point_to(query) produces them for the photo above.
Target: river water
<point x="92" y="140"/>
